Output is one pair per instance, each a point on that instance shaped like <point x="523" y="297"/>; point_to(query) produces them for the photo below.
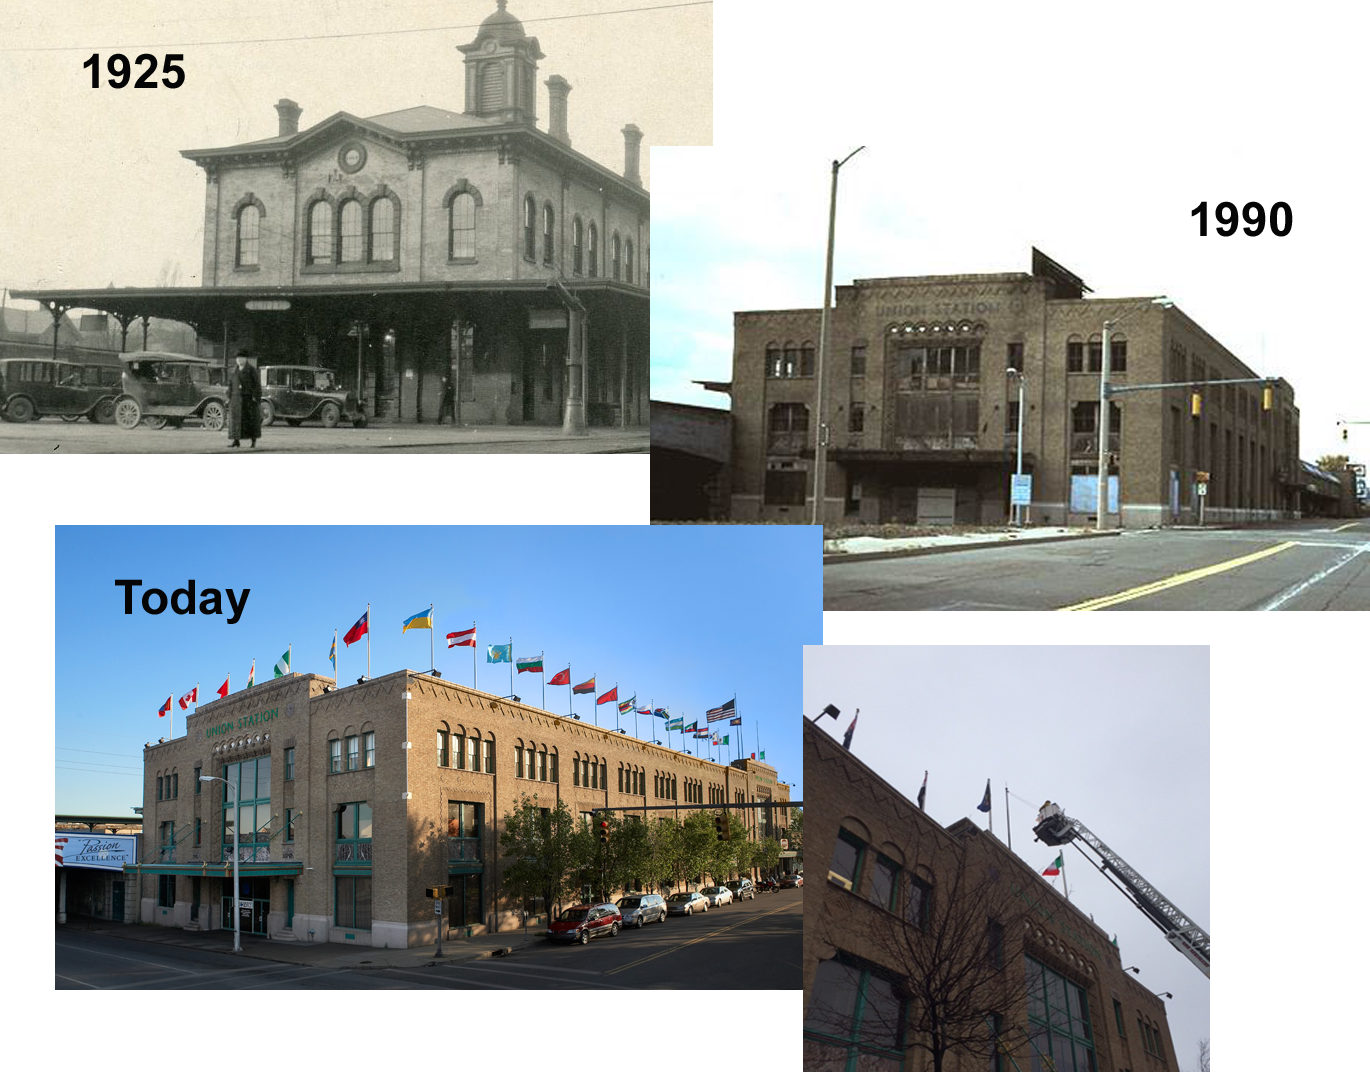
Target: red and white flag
<point x="465" y="638"/>
<point x="223" y="689"/>
<point x="165" y="709"/>
<point x="192" y="697"/>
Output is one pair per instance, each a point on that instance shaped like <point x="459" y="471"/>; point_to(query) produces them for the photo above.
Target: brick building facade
<point x="1041" y="986"/>
<point x="356" y="799"/>
<point x="923" y="409"/>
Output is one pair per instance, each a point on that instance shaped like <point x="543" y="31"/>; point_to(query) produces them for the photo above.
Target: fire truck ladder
<point x="1179" y="930"/>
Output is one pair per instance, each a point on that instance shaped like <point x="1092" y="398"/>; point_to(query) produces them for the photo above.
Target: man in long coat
<point x="244" y="402"/>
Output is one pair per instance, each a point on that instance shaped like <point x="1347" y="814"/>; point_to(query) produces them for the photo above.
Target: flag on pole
<point x="584" y="686"/>
<point x="165" y="709"/>
<point x="333" y="655"/>
<point x="923" y="793"/>
<point x="644" y="710"/>
<point x="725" y="737"/>
<point x="701" y="733"/>
<point x="499" y="653"/>
<point x="735" y="721"/>
<point x="422" y="620"/>
<point x="252" y="674"/>
<point x="462" y="638"/>
<point x="763" y="757"/>
<point x="283" y="664"/>
<point x="660" y="712"/>
<point x="829" y="710"/>
<point x="676" y="724"/>
<point x="357" y="631"/>
<point x="1054" y="868"/>
<point x="612" y="694"/>
<point x="984" y="804"/>
<point x="714" y="740"/>
<point x="562" y="677"/>
<point x="717" y="713"/>
<point x="223" y="689"/>
<point x="627" y="705"/>
<point x="532" y="664"/>
<point x="693" y="727"/>
<point x="190" y="698"/>
<point x="846" y="740"/>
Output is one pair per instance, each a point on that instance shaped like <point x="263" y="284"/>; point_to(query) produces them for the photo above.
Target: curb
<point x="913" y="552"/>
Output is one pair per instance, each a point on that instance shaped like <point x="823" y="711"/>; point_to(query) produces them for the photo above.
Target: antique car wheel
<point x="268" y="413"/>
<point x="155" y="423"/>
<point x="103" y="413"/>
<point x="20" y="410"/>
<point x="213" y="416"/>
<point x="328" y="414"/>
<point x="127" y="413"/>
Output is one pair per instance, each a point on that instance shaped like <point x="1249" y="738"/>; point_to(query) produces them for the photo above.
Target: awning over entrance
<point x="218" y="870"/>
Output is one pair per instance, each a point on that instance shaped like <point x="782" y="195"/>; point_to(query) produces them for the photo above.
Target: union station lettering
<point x="254" y="719"/>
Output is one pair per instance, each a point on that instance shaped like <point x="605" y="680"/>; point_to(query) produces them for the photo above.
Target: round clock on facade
<point x="352" y="157"/>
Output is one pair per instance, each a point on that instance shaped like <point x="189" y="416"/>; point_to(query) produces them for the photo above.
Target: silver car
<point x="742" y="889"/>
<point x="640" y="908"/>
<point x="685" y="904"/>
<point x="717" y="895"/>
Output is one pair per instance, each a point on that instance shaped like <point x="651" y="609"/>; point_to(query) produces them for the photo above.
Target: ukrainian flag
<point x="421" y="620"/>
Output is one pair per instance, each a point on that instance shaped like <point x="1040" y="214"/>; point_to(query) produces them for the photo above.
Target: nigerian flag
<point x="283" y="664"/>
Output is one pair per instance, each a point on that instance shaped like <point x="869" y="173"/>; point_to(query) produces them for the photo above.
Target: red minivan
<point x="580" y="923"/>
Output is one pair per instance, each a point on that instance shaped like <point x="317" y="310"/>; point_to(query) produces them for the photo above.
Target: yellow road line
<point x="1178" y="579"/>
<point x="692" y="941"/>
<point x="1349" y="524"/>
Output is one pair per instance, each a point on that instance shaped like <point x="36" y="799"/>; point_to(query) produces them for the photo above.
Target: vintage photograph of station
<point x="466" y="268"/>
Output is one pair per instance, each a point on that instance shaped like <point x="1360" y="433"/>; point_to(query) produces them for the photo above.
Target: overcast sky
<point x="1118" y="736"/>
<point x="104" y="195"/>
<point x="1090" y="131"/>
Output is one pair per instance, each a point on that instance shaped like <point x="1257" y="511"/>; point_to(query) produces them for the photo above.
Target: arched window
<point x="320" y="243"/>
<point x="249" y="231"/>
<point x="382" y="229"/>
<point x="350" y="231"/>
<point x="577" y="246"/>
<point x="547" y="222"/>
<point x="614" y="254"/>
<point x="628" y="261"/>
<point x="463" y="227"/>
<point x="593" y="251"/>
<point x="530" y="211"/>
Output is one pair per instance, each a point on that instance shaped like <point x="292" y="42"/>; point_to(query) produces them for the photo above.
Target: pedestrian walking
<point x="449" y="400"/>
<point x="244" y="402"/>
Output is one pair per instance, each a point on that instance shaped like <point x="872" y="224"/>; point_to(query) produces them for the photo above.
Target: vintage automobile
<point x="296" y="393"/>
<point x="161" y="389"/>
<point x="33" y="387"/>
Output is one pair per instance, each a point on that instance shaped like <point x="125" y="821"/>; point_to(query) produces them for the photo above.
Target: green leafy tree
<point x="628" y="858"/>
<point x="1333" y="463"/>
<point x="693" y="848"/>
<point x="767" y="855"/>
<point x="543" y="853"/>
<point x="659" y="870"/>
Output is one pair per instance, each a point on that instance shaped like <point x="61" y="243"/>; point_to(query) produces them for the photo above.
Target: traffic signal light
<point x="1268" y="398"/>
<point x="1196" y="404"/>
<point x="604" y="832"/>
<point x="1343" y="434"/>
<point x="721" y="826"/>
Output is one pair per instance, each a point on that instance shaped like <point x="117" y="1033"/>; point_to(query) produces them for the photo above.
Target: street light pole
<point x="237" y="939"/>
<point x="1101" y="507"/>
<point x="1018" y="471"/>
<point x="820" y="453"/>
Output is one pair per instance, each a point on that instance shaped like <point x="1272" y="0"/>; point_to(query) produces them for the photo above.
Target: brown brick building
<point x="913" y="929"/>
<point x="354" y="800"/>
<point x="922" y="408"/>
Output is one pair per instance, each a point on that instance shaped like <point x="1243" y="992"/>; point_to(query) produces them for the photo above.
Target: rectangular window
<point x="175" y="786"/>
<point x="845" y="869"/>
<point x="334" y="756"/>
<point x="1118" y="1017"/>
<point x="1075" y="357"/>
<point x="1015" y="356"/>
<point x="459" y="751"/>
<point x="159" y="787"/>
<point x="290" y="764"/>
<point x="919" y="906"/>
<point x="352" y="895"/>
<point x="197" y="781"/>
<point x="166" y="891"/>
<point x="473" y="754"/>
<point x="855" y="1018"/>
<point x="858" y="360"/>
<point x="555" y="777"/>
<point x="1117" y="355"/>
<point x="1058" y="1020"/>
<point x="604" y="775"/>
<point x="369" y="748"/>
<point x="1011" y="418"/>
<point x="518" y="761"/>
<point x="594" y="775"/>
<point x="995" y="940"/>
<point x="856" y="418"/>
<point x="290" y="816"/>
<point x="352" y="753"/>
<point x="885" y="883"/>
<point x="575" y="770"/>
<point x="442" y="748"/>
<point x="489" y="757"/>
<point x="620" y="779"/>
<point x="197" y="833"/>
<point x="542" y="766"/>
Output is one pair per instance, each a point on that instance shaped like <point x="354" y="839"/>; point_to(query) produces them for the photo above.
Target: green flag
<point x="283" y="664"/>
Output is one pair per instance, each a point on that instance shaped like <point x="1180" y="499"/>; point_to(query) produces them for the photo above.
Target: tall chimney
<point x="289" y="112"/>
<point x="557" y="90"/>
<point x="632" y="148"/>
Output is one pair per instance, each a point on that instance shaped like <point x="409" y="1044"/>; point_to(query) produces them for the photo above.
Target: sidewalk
<point x="867" y="548"/>
<point x="331" y="955"/>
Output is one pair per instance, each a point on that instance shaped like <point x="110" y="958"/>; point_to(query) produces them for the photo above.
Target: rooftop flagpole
<point x="432" y="659"/>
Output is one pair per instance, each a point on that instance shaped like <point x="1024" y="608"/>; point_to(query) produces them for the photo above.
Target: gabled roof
<point x="424" y="117"/>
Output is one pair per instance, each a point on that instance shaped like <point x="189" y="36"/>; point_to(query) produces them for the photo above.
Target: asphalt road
<point x="755" y="945"/>
<point x="1307" y="565"/>
<point x="50" y="435"/>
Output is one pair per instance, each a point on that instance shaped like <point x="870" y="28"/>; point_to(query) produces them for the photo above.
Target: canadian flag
<point x="192" y="697"/>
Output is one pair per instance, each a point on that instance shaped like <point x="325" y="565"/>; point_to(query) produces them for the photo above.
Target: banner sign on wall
<point x="106" y="851"/>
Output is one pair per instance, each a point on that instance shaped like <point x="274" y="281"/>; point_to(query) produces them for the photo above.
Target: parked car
<point x="717" y="895"/>
<point x="640" y="908"/>
<point x="685" y="904"/>
<point x="160" y="389"/>
<point x="743" y="889"/>
<point x="791" y="882"/>
<point x="34" y="387"/>
<point x="296" y="393"/>
<point x="580" y="923"/>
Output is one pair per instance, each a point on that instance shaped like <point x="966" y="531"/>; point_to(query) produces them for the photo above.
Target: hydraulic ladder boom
<point x="1180" y="931"/>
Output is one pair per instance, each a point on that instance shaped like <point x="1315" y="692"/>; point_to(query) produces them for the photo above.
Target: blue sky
<point x="684" y="617"/>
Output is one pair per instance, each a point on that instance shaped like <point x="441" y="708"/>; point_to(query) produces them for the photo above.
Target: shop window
<point x="352" y="898"/>
<point x="855" y="1018"/>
